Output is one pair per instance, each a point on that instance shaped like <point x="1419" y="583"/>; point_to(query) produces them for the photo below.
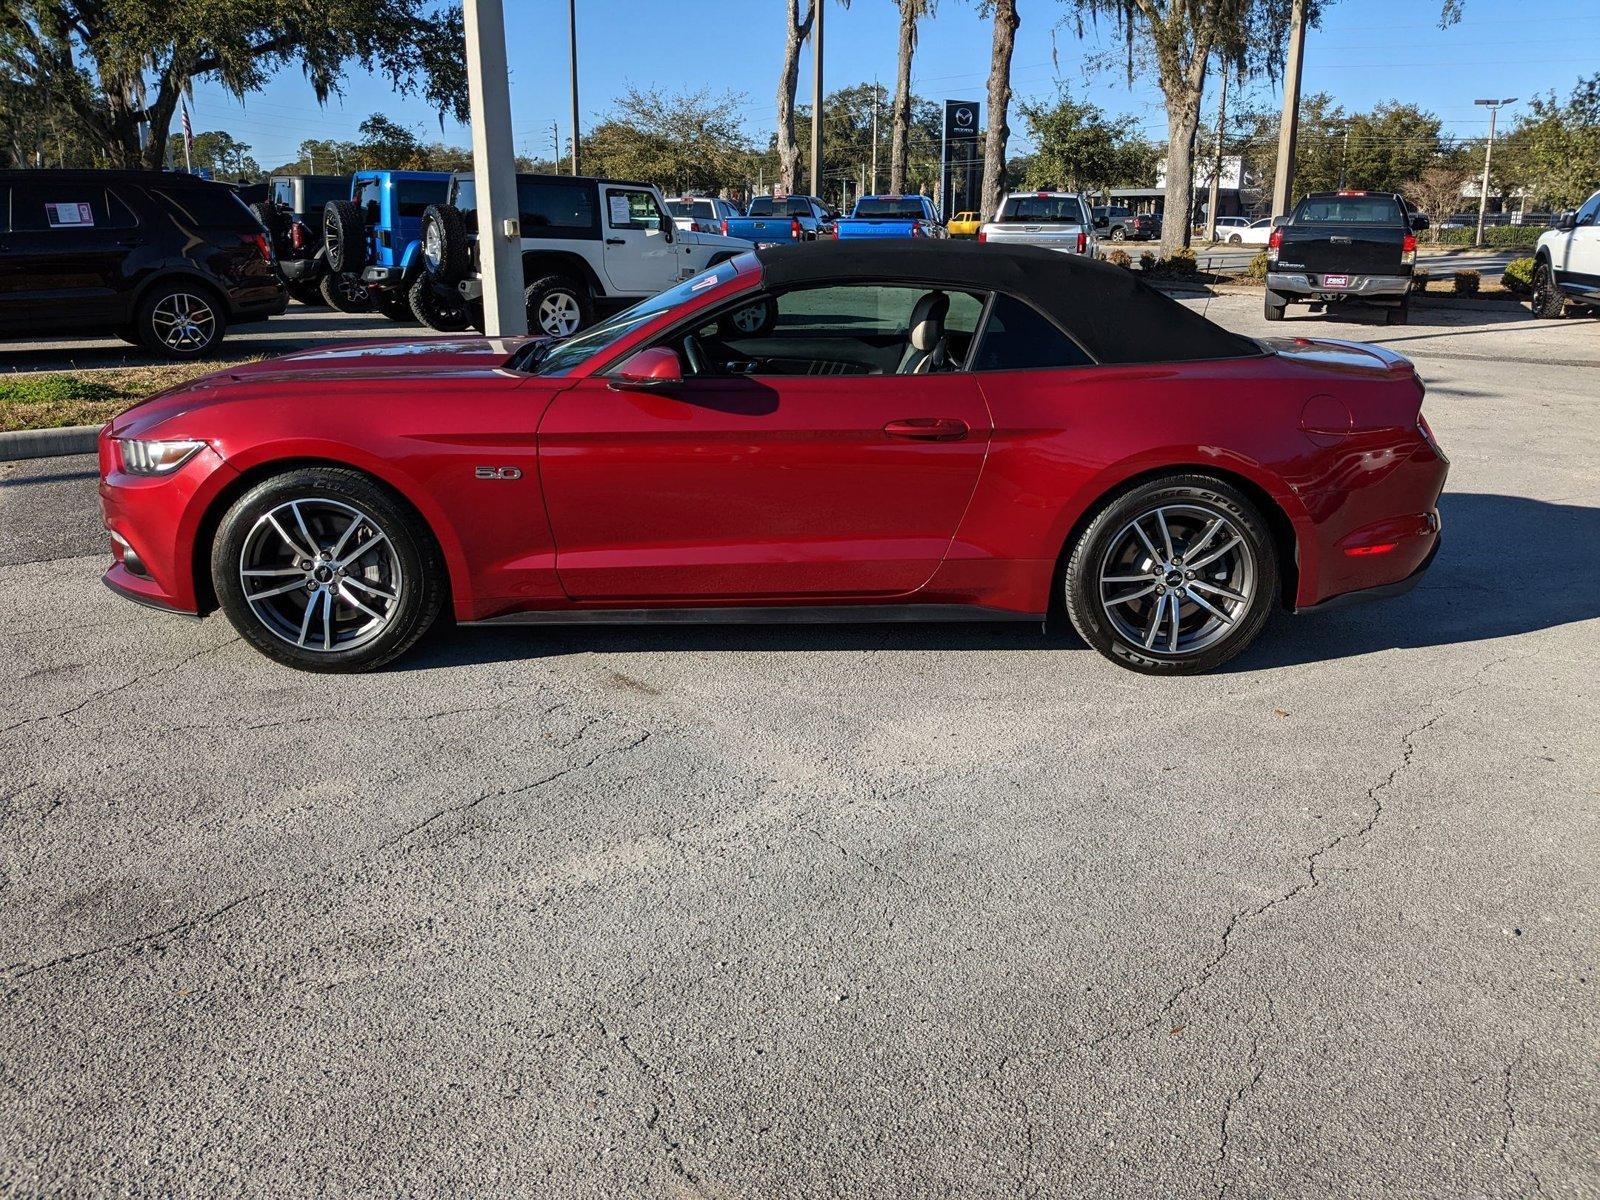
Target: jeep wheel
<point x="344" y="236"/>
<point x="307" y="292"/>
<point x="1548" y="300"/>
<point x="395" y="305"/>
<point x="444" y="243"/>
<point x="438" y="307"/>
<point x="346" y="293"/>
<point x="557" y="307"/>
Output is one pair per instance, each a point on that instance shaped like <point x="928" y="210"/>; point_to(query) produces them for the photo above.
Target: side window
<point x="368" y="195"/>
<point x="414" y="195"/>
<point x="64" y="207"/>
<point x="1590" y="211"/>
<point x="283" y="193"/>
<point x="206" y="207"/>
<point x="1017" y="337"/>
<point x="628" y="209"/>
<point x="556" y="210"/>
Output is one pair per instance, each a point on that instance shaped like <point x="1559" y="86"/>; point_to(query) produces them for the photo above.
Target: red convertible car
<point x="831" y="432"/>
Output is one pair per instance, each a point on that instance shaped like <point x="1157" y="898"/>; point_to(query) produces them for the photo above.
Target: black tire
<point x="749" y="320"/>
<point x="1188" y="503"/>
<point x="274" y="220"/>
<point x="415" y="572"/>
<point x="396" y="306"/>
<point x="345" y="292"/>
<point x="1235" y="240"/>
<point x="553" y="303"/>
<point x="344" y="236"/>
<point x="438" y="307"/>
<point x="180" y="320"/>
<point x="1547" y="301"/>
<point x="444" y="243"/>
<point x="307" y="292"/>
<point x="1119" y="234"/>
<point x="1400" y="314"/>
<point x="1275" y="306"/>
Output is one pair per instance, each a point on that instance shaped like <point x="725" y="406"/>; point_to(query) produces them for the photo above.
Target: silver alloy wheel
<point x="558" y="314"/>
<point x="432" y="247"/>
<point x="320" y="574"/>
<point x="1177" y="578"/>
<point x="184" y="321"/>
<point x="750" y="318"/>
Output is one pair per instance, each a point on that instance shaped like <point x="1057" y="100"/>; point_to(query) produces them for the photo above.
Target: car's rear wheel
<point x="1119" y="234"/>
<point x="438" y="306"/>
<point x="1235" y="240"/>
<point x="180" y="320"/>
<point x="1548" y="300"/>
<point x="1173" y="577"/>
<point x="1274" y="306"/>
<point x="324" y="569"/>
<point x="557" y="307"/>
<point x="345" y="292"/>
<point x="1399" y="314"/>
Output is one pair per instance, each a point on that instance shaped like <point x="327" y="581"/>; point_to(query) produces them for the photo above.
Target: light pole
<point x="572" y="39"/>
<point x="1494" y="107"/>
<point x="1289" y="127"/>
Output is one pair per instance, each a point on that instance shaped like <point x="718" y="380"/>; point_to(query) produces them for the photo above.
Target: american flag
<point x="188" y="129"/>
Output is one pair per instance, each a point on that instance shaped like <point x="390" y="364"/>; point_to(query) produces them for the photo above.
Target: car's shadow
<point x="1509" y="565"/>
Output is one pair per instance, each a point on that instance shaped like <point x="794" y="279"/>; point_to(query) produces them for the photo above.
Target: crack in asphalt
<point x="1510" y="1128"/>
<point x="1233" y="1099"/>
<point x="653" y="1122"/>
<point x="877" y="867"/>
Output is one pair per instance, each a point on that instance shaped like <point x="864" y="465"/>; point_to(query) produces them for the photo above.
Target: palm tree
<point x="911" y="11"/>
<point x="788" y="81"/>
<point x="1006" y="21"/>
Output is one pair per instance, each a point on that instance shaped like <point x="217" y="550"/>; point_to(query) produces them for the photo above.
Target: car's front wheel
<point x="345" y="292"/>
<point x="1174" y="577"/>
<point x="325" y="569"/>
<point x="1548" y="300"/>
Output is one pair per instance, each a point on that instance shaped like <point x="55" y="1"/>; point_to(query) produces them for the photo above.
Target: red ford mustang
<point x="834" y="431"/>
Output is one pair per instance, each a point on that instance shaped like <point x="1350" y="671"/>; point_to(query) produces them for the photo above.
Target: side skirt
<point x="819" y="614"/>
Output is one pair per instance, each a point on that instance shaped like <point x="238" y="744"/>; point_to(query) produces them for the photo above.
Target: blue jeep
<point x="373" y="241"/>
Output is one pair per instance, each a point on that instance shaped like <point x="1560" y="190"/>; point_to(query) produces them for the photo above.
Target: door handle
<point x="928" y="429"/>
<point x="616" y="241"/>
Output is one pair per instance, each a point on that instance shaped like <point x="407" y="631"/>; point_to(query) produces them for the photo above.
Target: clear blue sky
<point x="1366" y="51"/>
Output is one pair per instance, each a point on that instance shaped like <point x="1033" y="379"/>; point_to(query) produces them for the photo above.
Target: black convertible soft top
<point x="1114" y="316"/>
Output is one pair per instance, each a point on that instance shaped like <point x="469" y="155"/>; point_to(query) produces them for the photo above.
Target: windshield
<point x="1042" y="208"/>
<point x="320" y="191"/>
<point x="1348" y="210"/>
<point x="564" y="356"/>
<point x="898" y="209"/>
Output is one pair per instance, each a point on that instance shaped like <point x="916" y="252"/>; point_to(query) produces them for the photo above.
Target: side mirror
<point x="1277" y="221"/>
<point x="668" y="228"/>
<point x="1569" y="220"/>
<point x="651" y="370"/>
<point x="1419" y="222"/>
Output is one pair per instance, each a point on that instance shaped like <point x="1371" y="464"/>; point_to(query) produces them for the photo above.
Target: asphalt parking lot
<point x="810" y="911"/>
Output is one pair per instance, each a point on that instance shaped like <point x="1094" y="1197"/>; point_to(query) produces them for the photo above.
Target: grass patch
<point x="57" y="399"/>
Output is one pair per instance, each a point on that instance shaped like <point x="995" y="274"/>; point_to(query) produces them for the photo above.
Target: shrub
<point x="1120" y="258"/>
<point x="1147" y="261"/>
<point x="1467" y="283"/>
<point x="1182" y="262"/>
<point x="1502" y="236"/>
<point x="1518" y="277"/>
<point x="1258" y="267"/>
<point x="1419" y="281"/>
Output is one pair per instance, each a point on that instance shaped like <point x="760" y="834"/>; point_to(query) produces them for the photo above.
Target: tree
<point x="1437" y="189"/>
<point x="1078" y="148"/>
<point x="683" y="140"/>
<point x="911" y="11"/>
<point x="388" y="146"/>
<point x="788" y="80"/>
<point x="1181" y="36"/>
<point x="1553" y="152"/>
<point x="225" y="156"/>
<point x="1003" y="13"/>
<point x="117" y="66"/>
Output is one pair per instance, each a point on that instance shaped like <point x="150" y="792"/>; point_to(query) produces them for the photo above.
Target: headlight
<point x="155" y="458"/>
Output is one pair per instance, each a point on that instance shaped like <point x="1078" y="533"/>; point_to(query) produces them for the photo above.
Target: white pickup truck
<point x="588" y="246"/>
<point x="1060" y="221"/>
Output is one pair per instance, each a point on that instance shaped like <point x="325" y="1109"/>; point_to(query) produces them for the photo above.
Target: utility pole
<point x="1289" y="126"/>
<point x="1344" y="153"/>
<point x="494" y="170"/>
<point x="816" y="99"/>
<point x="572" y="38"/>
<point x="874" y="190"/>
<point x="1216" y="168"/>
<point x="555" y="145"/>
<point x="1488" y="151"/>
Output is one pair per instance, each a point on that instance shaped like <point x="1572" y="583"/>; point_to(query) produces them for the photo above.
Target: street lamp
<point x="1494" y="107"/>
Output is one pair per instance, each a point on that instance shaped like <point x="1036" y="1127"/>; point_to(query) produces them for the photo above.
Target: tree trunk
<point x="900" y="113"/>
<point x="788" y="81"/>
<point x="1183" y="90"/>
<point x="994" y="140"/>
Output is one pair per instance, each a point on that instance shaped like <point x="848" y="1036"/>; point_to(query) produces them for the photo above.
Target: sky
<point x="1365" y="52"/>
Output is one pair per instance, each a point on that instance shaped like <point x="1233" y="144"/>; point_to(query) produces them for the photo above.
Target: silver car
<point x="1055" y="220"/>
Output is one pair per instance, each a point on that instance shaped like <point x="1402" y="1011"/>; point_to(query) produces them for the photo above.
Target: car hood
<point x="438" y="358"/>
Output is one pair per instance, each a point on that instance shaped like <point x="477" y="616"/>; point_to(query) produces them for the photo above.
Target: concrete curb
<point x="1422" y="300"/>
<point x="48" y="443"/>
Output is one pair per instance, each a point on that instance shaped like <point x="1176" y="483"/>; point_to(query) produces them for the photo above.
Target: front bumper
<point x="1309" y="283"/>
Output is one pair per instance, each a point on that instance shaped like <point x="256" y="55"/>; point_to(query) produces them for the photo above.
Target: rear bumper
<point x="256" y="303"/>
<point x="1382" y="591"/>
<point x="300" y="270"/>
<point x="1309" y="283"/>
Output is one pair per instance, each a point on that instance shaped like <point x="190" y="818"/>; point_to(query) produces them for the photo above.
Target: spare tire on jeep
<point x="273" y="219"/>
<point x="444" y="243"/>
<point x="344" y="236"/>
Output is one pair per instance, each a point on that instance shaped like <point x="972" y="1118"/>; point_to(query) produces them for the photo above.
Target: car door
<point x="62" y="256"/>
<point x="641" y="257"/>
<point x="1583" y="245"/>
<point x="796" y="463"/>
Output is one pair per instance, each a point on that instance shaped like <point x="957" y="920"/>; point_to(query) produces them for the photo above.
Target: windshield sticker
<point x="69" y="216"/>
<point x="708" y="281"/>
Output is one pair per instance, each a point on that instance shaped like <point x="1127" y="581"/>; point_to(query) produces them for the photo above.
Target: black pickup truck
<point x="1341" y="246"/>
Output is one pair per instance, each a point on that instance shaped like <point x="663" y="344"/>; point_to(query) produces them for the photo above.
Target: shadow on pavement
<point x="1509" y="565"/>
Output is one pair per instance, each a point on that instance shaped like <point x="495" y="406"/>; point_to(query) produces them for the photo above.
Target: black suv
<point x="162" y="260"/>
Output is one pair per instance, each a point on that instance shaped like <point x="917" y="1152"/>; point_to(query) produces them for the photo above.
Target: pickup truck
<point x="891" y="217"/>
<point x="1342" y="246"/>
<point x="588" y="246"/>
<point x="1566" y="262"/>
<point x="1060" y="221"/>
<point x="774" y="220"/>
